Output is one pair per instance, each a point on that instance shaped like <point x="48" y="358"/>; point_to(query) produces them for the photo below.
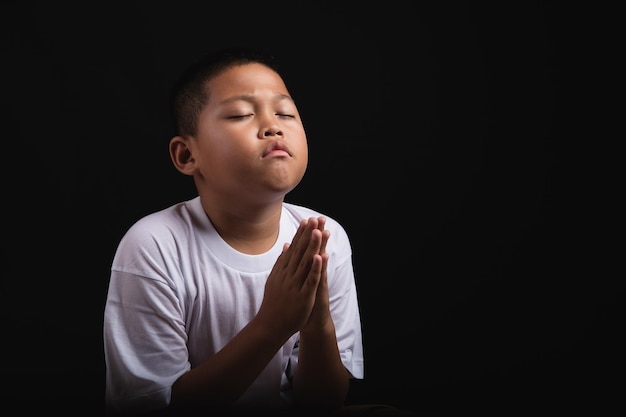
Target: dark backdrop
<point x="440" y="137"/>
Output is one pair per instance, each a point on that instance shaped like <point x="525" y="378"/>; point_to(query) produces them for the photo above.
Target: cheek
<point x="230" y="143"/>
<point x="303" y="149"/>
<point x="304" y="154"/>
<point x="227" y="154"/>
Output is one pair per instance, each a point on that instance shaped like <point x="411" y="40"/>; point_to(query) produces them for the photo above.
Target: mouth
<point x="276" y="148"/>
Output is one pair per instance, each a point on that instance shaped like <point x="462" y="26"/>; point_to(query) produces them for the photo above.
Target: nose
<point x="270" y="131"/>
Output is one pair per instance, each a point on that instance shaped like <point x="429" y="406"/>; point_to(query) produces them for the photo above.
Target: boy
<point x="235" y="299"/>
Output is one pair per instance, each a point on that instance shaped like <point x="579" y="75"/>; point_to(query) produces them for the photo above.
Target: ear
<point x="181" y="155"/>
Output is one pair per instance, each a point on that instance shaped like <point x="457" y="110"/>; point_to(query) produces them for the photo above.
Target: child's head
<point x="240" y="134"/>
<point x="189" y="94"/>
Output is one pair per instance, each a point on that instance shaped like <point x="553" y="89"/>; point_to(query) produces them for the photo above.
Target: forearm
<point x="321" y="380"/>
<point x="222" y="379"/>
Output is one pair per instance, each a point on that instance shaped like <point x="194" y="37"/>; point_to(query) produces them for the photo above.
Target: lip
<point x="276" y="148"/>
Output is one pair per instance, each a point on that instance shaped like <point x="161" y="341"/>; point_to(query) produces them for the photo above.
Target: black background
<point x="440" y="137"/>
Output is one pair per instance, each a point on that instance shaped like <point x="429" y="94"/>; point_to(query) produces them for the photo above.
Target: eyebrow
<point x="251" y="98"/>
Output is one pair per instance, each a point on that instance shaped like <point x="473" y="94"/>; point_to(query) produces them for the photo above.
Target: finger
<point x="290" y="250"/>
<point x="310" y="257"/>
<point x="299" y="232"/>
<point x="301" y="243"/>
<point x="314" y="274"/>
<point x="324" y="265"/>
<point x="325" y="237"/>
<point x="321" y="224"/>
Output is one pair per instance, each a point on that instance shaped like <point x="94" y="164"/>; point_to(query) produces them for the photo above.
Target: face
<point x="251" y="142"/>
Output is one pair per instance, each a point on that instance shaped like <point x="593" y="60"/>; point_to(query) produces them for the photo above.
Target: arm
<point x="321" y="380"/>
<point x="222" y="379"/>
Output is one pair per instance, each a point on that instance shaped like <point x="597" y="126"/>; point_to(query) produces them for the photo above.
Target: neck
<point x="250" y="230"/>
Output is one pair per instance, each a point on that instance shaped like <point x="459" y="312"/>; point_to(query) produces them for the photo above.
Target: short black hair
<point x="188" y="94"/>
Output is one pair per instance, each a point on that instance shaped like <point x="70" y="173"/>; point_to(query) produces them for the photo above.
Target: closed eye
<point x="239" y="116"/>
<point x="291" y="116"/>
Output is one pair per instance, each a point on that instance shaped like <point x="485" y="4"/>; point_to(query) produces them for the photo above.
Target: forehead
<point x="248" y="78"/>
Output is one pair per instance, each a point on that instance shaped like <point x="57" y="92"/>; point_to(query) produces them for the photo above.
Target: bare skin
<point x="249" y="152"/>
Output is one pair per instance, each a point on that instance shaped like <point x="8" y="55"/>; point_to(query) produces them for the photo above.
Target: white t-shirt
<point x="178" y="293"/>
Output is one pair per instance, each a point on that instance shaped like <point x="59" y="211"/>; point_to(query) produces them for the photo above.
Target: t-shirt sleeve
<point x="345" y="312"/>
<point x="144" y="332"/>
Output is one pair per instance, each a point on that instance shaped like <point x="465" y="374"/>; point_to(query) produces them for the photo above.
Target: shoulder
<point x="162" y="228"/>
<point x="151" y="247"/>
